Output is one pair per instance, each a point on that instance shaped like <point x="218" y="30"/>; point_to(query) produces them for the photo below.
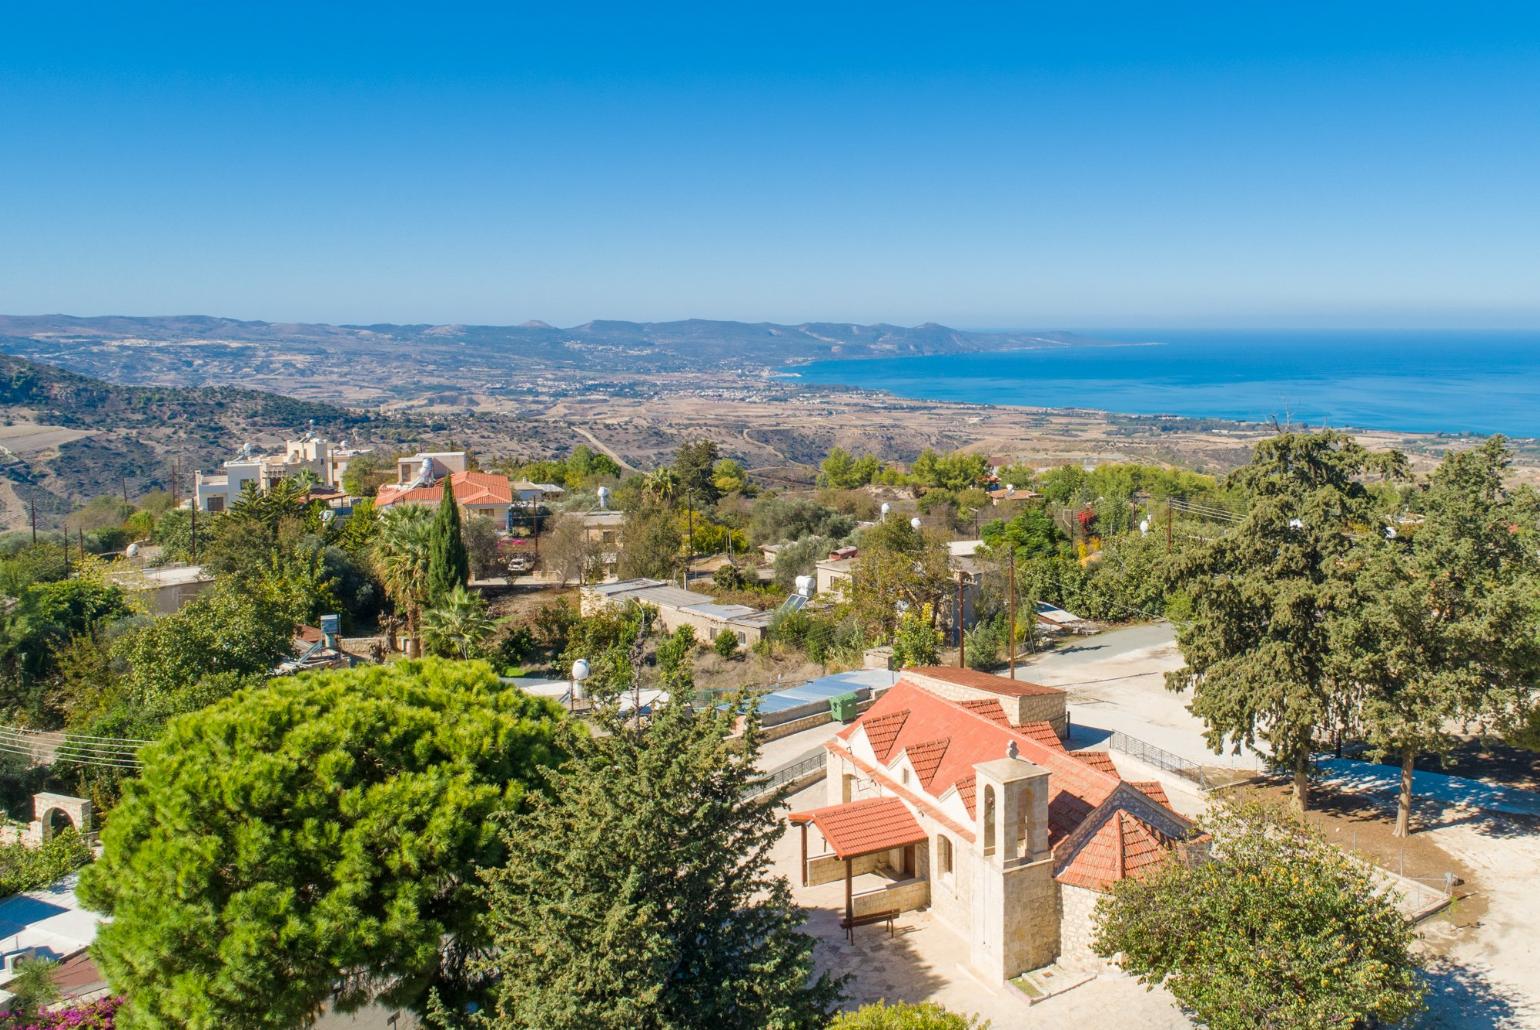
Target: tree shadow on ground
<point x="1378" y="804"/>
<point x="1465" y="998"/>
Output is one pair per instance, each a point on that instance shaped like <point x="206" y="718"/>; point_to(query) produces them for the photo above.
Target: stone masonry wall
<point x="1077" y="928"/>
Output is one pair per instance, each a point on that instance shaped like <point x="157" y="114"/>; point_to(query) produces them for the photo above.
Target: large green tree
<point x="1275" y="928"/>
<point x="639" y="892"/>
<point x="226" y="629"/>
<point x="1258" y="648"/>
<point x="1444" y="627"/>
<point x="449" y="564"/>
<point x="326" y="829"/>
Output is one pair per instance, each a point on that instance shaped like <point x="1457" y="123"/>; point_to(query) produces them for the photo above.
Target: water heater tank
<point x="805" y="586"/>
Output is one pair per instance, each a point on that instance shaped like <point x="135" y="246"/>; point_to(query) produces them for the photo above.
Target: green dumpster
<point x="843" y="707"/>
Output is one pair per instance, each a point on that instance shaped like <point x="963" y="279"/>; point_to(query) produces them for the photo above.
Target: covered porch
<point x="877" y="847"/>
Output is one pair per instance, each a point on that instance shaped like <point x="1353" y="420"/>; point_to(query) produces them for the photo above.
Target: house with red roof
<point x="481" y="493"/>
<point x="983" y="817"/>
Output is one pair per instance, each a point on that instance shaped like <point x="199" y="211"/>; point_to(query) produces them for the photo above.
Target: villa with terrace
<point x="954" y="792"/>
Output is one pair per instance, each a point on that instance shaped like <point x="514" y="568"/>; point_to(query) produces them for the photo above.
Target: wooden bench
<point x="871" y="919"/>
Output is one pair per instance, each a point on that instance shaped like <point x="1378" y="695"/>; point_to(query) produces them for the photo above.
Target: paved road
<point x="1082" y="651"/>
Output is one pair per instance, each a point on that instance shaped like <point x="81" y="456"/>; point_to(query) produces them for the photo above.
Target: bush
<point x="24" y="868"/>
<point x="726" y="643"/>
<point x="985" y="642"/>
<point x="905" y="1016"/>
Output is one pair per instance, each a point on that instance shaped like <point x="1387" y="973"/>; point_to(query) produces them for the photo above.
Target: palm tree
<point x="401" y="556"/>
<point x="661" y="484"/>
<point x="457" y="625"/>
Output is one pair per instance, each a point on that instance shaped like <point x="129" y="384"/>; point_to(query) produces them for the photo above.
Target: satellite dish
<point x="604" y="498"/>
<point x="886" y="507"/>
<point x="1010" y="488"/>
<point x="914" y="523"/>
<point x="1390" y="532"/>
<point x="805" y="586"/>
<point x="1296" y="523"/>
<point x="133" y="550"/>
<point x="1144" y="527"/>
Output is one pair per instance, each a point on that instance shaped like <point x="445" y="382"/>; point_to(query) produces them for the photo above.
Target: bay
<point x="1427" y="381"/>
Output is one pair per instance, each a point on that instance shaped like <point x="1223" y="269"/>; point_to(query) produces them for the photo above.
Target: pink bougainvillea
<point x="96" y="1015"/>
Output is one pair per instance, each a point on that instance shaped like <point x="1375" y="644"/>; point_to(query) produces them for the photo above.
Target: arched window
<point x="944" y="855"/>
<point x="989" y="820"/>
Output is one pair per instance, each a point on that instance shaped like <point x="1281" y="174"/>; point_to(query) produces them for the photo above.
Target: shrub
<point x="726" y="643"/>
<point x="24" y="868"/>
<point x="905" y="1016"/>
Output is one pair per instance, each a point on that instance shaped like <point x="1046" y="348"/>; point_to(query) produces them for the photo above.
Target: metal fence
<point x="1159" y="757"/>
<point x="778" y="778"/>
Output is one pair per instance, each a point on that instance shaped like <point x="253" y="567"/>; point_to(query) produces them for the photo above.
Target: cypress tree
<point x="448" y="563"/>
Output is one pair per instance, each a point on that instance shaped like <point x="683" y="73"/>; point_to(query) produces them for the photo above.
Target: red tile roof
<point x="1153" y="789"/>
<point x="1097" y="760"/>
<point x="1124" y="846"/>
<point x="984" y="681"/>
<point x="474" y="488"/>
<point x="945" y="739"/>
<point x="859" y="828"/>
<point x="909" y="714"/>
<point x="989" y="708"/>
<point x="926" y="758"/>
<point x="882" y="732"/>
<point x="1043" y="733"/>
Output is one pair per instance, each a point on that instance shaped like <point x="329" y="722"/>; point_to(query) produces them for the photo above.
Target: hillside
<point x="388" y="361"/>
<point x="67" y="437"/>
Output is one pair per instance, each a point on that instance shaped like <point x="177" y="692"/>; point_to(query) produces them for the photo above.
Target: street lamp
<point x="580" y="672"/>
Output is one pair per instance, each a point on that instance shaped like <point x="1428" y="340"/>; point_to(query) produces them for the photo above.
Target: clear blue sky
<point x="1148" y="164"/>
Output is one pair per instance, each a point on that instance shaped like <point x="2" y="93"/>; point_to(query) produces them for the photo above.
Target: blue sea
<point x="1431" y="381"/>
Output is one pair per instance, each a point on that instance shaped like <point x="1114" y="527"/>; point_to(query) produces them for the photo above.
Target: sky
<point x="981" y="165"/>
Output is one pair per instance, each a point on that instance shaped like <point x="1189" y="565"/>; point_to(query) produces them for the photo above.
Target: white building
<point x="217" y="491"/>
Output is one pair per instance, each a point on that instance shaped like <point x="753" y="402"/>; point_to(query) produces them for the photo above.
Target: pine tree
<point x="639" y="893"/>
<point x="449" y="565"/>
<point x="1443" y="625"/>
<point x="1258" y="647"/>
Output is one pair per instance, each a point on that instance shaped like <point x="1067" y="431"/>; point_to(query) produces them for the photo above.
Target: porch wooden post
<point x="850" y="906"/>
<point x="804" y="854"/>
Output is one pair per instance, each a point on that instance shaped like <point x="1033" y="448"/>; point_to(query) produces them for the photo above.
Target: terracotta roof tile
<point x="1123" y="846"/>
<point x="984" y="681"/>
<point x="469" y="488"/>
<point x="882" y="732"/>
<point x="926" y="758"/>
<point x="1043" y="733"/>
<point x="865" y="827"/>
<point x="1097" y="760"/>
<point x="1153" y="790"/>
<point x="989" y="708"/>
<point x="967" y="787"/>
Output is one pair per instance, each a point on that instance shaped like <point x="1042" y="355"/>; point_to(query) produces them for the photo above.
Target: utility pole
<point x="962" y="642"/>
<point x="195" y="530"/>
<point x="124" y="481"/>
<point x="32" y="503"/>
<point x="1011" y="564"/>
<point x="1168" y="526"/>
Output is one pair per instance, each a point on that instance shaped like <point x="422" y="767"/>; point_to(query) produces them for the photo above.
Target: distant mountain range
<point x="149" y="349"/>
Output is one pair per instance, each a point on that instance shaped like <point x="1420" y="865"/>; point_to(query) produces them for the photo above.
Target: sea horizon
<point x="1455" y="381"/>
